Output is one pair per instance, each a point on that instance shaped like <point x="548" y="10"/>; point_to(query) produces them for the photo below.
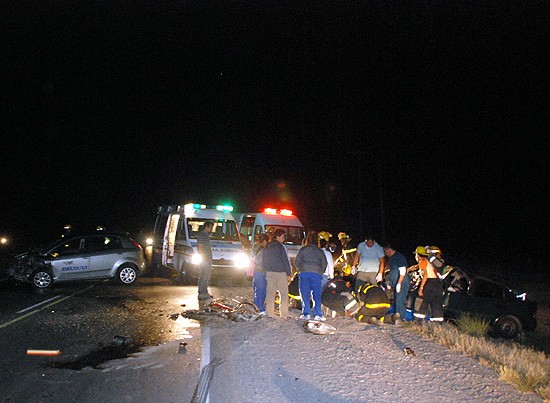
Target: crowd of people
<point x="370" y="270"/>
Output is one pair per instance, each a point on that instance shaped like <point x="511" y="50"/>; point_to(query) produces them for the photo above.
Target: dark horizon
<point x="436" y="112"/>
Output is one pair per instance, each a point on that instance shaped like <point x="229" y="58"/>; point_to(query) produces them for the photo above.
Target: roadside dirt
<point x="276" y="360"/>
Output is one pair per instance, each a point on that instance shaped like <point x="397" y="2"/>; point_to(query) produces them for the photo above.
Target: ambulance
<point x="175" y="241"/>
<point x="266" y="221"/>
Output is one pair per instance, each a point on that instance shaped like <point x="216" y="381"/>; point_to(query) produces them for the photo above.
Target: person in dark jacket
<point x="278" y="271"/>
<point x="258" y="281"/>
<point x="311" y="263"/>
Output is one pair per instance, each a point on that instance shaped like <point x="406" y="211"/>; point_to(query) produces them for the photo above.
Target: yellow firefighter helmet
<point x="346" y="270"/>
<point x="421" y="250"/>
<point x="324" y="235"/>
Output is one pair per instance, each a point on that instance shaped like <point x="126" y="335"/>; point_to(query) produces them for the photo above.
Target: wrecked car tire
<point x="507" y="327"/>
<point x="41" y="279"/>
<point x="127" y="275"/>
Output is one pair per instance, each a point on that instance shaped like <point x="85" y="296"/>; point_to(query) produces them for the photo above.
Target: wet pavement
<point x="116" y="343"/>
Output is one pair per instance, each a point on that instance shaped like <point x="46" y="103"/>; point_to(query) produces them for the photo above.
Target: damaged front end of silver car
<point x="24" y="265"/>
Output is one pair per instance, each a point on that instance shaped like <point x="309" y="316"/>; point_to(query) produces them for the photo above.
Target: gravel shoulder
<point x="277" y="360"/>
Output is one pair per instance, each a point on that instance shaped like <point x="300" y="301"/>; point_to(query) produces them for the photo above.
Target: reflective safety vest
<point x="352" y="304"/>
<point x="374" y="302"/>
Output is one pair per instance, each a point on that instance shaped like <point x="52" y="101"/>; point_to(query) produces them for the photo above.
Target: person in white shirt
<point x="329" y="271"/>
<point x="369" y="260"/>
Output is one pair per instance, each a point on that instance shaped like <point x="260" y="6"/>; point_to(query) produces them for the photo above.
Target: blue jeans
<point x="260" y="286"/>
<point x="205" y="273"/>
<point x="310" y="285"/>
<point x="400" y="298"/>
<point x="324" y="282"/>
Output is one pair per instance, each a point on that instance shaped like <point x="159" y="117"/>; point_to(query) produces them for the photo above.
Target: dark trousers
<point x="204" y="277"/>
<point x="432" y="301"/>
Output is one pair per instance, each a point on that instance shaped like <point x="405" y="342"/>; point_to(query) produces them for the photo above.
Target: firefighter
<point x="435" y="258"/>
<point x="337" y="297"/>
<point x="374" y="303"/>
<point x="415" y="278"/>
<point x="344" y="261"/>
<point x="325" y="235"/>
<point x="430" y="289"/>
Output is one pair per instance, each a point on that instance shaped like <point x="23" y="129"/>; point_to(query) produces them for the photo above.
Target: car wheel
<point x="127" y="275"/>
<point x="508" y="327"/>
<point x="41" y="279"/>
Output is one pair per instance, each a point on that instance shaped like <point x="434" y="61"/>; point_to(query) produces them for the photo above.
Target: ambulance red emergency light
<point x="266" y="221"/>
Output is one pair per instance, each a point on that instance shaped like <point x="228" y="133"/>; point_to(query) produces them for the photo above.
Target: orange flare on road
<point x="48" y="353"/>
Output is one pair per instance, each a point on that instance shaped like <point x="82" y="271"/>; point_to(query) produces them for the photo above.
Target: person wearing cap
<point x="435" y="257"/>
<point x="369" y="260"/>
<point x="398" y="278"/>
<point x="431" y="288"/>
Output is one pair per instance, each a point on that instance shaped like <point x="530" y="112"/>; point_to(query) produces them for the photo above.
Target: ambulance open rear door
<point x="170" y="240"/>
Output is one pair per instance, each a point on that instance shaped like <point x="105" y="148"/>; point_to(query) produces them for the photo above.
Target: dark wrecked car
<point x="508" y="311"/>
<point x="85" y="257"/>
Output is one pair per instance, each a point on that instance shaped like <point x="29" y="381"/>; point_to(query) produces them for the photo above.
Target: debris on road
<point x="201" y="314"/>
<point x="237" y="310"/>
<point x="122" y="341"/>
<point x="317" y="327"/>
<point x="182" y="349"/>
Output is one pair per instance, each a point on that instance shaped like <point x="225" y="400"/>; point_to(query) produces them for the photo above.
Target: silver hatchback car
<point x="86" y="257"/>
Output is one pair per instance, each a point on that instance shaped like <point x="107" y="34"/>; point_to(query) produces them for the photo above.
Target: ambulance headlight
<point x="242" y="261"/>
<point x="196" y="258"/>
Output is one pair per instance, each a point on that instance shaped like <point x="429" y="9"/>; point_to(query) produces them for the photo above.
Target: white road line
<point x="201" y="394"/>
<point x="11" y="322"/>
<point x="40" y="303"/>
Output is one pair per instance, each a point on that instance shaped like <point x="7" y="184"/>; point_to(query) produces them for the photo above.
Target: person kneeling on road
<point x="374" y="303"/>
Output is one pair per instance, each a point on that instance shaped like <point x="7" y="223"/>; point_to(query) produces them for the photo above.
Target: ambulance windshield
<point x="224" y="230"/>
<point x="294" y="235"/>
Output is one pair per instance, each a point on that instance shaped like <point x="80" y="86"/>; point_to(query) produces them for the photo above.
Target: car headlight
<point x="196" y="258"/>
<point x="242" y="261"/>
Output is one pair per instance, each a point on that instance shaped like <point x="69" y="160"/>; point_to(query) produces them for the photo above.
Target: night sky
<point x="421" y="122"/>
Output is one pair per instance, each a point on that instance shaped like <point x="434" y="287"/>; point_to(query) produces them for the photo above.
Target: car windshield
<point x="45" y="248"/>
<point x="224" y="230"/>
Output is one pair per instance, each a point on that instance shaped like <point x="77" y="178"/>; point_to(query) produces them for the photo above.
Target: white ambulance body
<point x="253" y="224"/>
<point x="175" y="242"/>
